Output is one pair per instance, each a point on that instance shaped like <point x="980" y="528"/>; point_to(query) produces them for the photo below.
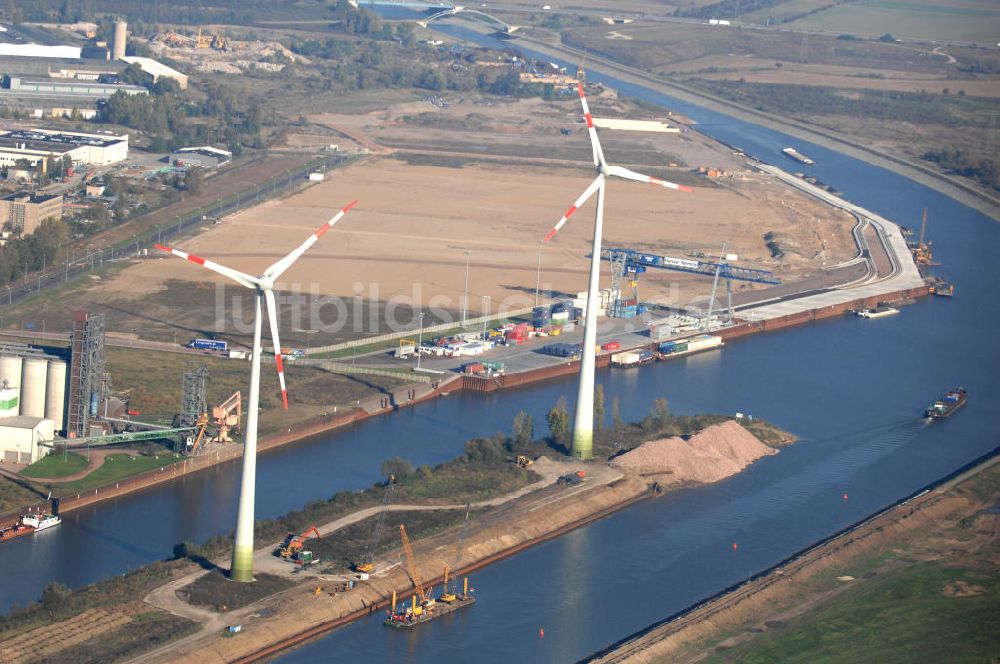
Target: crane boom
<point x="411" y="565"/>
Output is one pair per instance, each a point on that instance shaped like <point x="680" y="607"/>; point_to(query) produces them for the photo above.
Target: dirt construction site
<point x="468" y="180"/>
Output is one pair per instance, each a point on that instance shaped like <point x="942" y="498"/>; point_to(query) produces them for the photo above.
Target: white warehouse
<point x="20" y="437"/>
<point x="35" y="145"/>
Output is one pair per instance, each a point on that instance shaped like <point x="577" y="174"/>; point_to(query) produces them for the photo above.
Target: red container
<point x="473" y="367"/>
<point x="611" y="345"/>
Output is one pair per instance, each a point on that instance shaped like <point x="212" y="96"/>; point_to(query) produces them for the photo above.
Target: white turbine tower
<point x="242" y="569"/>
<point x="583" y="422"/>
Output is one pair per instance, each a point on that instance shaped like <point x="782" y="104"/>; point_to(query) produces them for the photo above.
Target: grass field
<point x="116" y="468"/>
<point x="902" y="616"/>
<point x="55" y="466"/>
<point x="13" y="495"/>
<point x="925" y="20"/>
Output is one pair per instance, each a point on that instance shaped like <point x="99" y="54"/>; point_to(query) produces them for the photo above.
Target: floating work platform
<point x="429" y="612"/>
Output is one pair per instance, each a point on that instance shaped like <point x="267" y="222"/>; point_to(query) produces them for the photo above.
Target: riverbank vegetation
<point x="215" y="591"/>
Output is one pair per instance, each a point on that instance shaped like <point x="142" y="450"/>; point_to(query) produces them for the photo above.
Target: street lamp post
<point x="486" y="315"/>
<point x="465" y="299"/>
<point x="538" y="271"/>
<point x="420" y="339"/>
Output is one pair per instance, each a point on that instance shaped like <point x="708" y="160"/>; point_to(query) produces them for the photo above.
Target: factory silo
<point x="55" y="393"/>
<point x="121" y="35"/>
<point x="34" y="371"/>
<point x="10" y="370"/>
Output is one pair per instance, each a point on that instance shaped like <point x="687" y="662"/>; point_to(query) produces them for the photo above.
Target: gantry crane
<point x="632" y="263"/>
<point x="227" y="416"/>
<point x="367" y="563"/>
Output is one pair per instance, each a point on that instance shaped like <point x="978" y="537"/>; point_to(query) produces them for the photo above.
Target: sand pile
<point x="712" y="454"/>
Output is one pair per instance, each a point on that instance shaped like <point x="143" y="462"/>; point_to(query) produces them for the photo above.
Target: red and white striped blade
<point x="639" y="177"/>
<point x="587" y="193"/>
<point x="595" y="143"/>
<point x="278" y="268"/>
<point x="272" y="318"/>
<point x="235" y="275"/>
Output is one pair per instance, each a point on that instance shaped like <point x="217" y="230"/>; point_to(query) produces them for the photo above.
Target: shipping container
<point x="472" y="367"/>
<point x="611" y="345"/>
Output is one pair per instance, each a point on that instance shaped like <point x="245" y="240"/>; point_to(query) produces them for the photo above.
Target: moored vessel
<point x="41" y="521"/>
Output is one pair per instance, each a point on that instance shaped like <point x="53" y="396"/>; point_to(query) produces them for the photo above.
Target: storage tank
<point x="10" y="370"/>
<point x="55" y="393"/>
<point x="33" y="375"/>
<point x="118" y="45"/>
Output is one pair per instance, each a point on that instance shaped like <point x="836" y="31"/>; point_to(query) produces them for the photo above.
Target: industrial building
<point x="32" y="401"/>
<point x="205" y="156"/>
<point x="157" y="70"/>
<point x="39" y="50"/>
<point x="57" y="97"/>
<point x="35" y="145"/>
<point x="22" y="212"/>
<point x="20" y="437"/>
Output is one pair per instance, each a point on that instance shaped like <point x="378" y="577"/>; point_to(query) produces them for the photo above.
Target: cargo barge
<point x="798" y="156"/>
<point x="671" y="349"/>
<point x="947" y="404"/>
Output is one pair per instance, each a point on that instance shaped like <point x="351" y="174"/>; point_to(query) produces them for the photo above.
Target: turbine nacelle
<point x="264" y="285"/>
<point x="604" y="171"/>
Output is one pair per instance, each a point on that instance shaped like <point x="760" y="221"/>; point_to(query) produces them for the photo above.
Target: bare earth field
<point x="477" y="180"/>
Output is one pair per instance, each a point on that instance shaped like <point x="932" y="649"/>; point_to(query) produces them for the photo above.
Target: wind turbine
<point x="583" y="422"/>
<point x="242" y="568"/>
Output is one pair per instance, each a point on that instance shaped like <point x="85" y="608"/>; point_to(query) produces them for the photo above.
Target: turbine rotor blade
<point x="587" y="193"/>
<point x="272" y="318"/>
<point x="235" y="275"/>
<point x="595" y="143"/>
<point x="639" y="177"/>
<point x="279" y="268"/>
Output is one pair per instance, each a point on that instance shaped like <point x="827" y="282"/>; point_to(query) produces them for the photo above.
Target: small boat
<point x="878" y="312"/>
<point x="946" y="405"/>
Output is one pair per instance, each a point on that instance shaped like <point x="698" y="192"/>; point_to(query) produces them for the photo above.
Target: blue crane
<point x="630" y="263"/>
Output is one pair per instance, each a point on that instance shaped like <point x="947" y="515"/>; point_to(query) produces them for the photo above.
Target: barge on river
<point x="947" y="405"/>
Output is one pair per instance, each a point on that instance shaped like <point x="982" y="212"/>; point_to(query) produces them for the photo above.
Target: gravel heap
<point x="710" y="455"/>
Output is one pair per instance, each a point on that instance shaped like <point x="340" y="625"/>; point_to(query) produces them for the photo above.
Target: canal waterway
<point x="853" y="389"/>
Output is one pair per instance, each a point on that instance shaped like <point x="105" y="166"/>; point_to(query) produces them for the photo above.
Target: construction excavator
<point x="367" y="563"/>
<point x="293" y="544"/>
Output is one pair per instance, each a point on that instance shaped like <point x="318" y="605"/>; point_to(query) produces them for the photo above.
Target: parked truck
<point x="209" y="344"/>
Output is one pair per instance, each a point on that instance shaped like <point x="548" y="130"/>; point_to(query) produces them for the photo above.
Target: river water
<point x="852" y="389"/>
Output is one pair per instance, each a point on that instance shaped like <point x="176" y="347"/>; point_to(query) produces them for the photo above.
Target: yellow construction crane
<point x="201" y="41"/>
<point x="411" y="568"/>
<point x="367" y="563"/>
<point x="922" y="250"/>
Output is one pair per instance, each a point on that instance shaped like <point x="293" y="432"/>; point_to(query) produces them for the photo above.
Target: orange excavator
<point x="293" y="543"/>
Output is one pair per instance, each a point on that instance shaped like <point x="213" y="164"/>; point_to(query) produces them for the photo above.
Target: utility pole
<point x="538" y="271"/>
<point x="465" y="299"/>
<point x="486" y="314"/>
<point x="420" y="339"/>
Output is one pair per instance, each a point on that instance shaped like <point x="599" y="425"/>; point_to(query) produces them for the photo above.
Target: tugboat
<point x="948" y="404"/>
